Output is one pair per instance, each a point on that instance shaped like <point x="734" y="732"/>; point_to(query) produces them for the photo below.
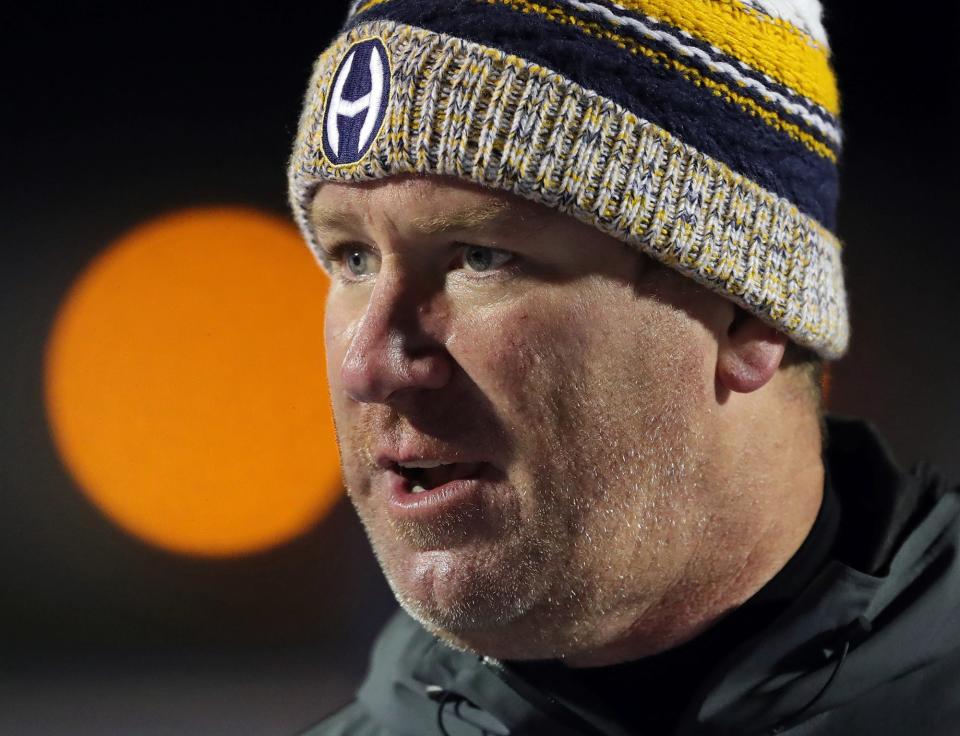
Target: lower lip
<point x="435" y="503"/>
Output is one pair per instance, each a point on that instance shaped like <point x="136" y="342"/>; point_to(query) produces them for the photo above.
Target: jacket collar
<point x="891" y="577"/>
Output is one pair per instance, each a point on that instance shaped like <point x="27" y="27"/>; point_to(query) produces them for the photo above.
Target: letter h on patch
<point x="357" y="103"/>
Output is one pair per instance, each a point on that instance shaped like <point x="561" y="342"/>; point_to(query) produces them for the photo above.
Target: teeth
<point x="422" y="464"/>
<point x="417" y="489"/>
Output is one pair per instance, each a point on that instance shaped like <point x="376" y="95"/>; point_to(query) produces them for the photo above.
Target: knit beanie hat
<point x="704" y="133"/>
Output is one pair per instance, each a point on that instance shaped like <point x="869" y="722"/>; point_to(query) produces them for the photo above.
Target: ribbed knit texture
<point x="451" y="106"/>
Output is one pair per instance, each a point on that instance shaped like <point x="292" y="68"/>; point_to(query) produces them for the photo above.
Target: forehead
<point x="429" y="205"/>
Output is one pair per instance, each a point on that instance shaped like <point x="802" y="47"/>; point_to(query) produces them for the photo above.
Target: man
<point x="582" y="282"/>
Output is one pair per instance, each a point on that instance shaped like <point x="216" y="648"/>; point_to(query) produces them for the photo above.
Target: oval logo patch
<point x="357" y="102"/>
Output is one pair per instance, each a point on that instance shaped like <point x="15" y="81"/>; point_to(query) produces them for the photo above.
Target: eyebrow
<point x="330" y="220"/>
<point x="473" y="218"/>
<point x="495" y="214"/>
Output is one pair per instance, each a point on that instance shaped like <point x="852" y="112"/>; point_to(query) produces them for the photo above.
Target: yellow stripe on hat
<point x="770" y="45"/>
<point x="770" y="117"/>
<point x="366" y="6"/>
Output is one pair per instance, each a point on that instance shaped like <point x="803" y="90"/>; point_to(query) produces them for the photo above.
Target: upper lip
<point x="388" y="458"/>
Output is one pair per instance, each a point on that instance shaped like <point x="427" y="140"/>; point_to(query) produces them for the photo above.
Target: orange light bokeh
<point x="186" y="385"/>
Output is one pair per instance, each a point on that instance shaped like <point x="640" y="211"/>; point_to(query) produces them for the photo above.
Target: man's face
<point x="560" y="380"/>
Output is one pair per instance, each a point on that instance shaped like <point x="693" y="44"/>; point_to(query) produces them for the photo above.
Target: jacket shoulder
<point x="389" y="702"/>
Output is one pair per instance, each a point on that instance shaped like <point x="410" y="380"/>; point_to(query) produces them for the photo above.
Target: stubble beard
<point x="486" y="583"/>
<point x="609" y="506"/>
<point x="587" y="563"/>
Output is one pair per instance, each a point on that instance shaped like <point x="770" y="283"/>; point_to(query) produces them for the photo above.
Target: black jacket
<point x="869" y="645"/>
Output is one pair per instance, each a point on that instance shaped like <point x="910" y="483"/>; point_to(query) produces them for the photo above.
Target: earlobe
<point x="749" y="354"/>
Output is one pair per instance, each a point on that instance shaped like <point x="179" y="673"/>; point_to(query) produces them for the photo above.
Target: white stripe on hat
<point x="807" y="15"/>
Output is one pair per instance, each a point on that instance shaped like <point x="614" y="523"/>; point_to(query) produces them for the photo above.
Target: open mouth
<point x="434" y="476"/>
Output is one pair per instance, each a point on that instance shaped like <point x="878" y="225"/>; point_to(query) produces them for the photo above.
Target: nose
<point x="392" y="348"/>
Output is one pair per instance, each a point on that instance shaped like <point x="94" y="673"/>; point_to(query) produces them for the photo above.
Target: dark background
<point x="113" y="115"/>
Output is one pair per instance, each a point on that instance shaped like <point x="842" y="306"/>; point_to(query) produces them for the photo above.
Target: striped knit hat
<point x="704" y="133"/>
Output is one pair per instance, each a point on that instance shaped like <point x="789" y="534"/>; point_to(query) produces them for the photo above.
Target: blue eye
<point x="357" y="261"/>
<point x="482" y="258"/>
<point x="352" y="262"/>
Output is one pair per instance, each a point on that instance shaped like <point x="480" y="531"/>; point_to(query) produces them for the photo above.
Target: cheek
<point x="518" y="352"/>
<point x="338" y="327"/>
<point x="528" y="363"/>
<point x="580" y="358"/>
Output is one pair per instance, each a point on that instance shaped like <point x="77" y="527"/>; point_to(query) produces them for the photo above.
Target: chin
<point x="499" y="610"/>
<point x="462" y="594"/>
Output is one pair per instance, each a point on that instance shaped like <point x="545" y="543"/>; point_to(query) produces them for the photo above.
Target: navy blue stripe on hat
<point x="654" y="92"/>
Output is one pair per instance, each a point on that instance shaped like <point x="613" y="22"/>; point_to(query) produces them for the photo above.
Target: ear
<point x="749" y="353"/>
